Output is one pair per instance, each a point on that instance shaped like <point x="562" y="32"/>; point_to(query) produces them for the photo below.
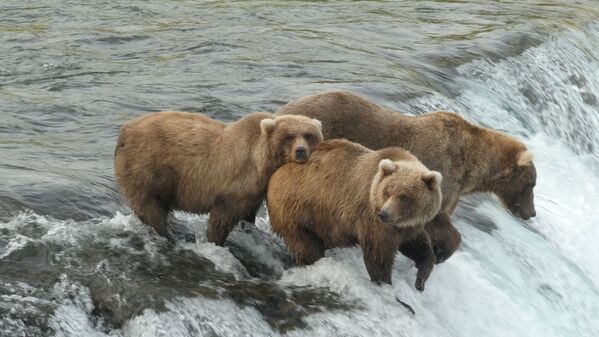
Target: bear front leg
<point x="445" y="238"/>
<point x="378" y="260"/>
<point x="420" y="250"/>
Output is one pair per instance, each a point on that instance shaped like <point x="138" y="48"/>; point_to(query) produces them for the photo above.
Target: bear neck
<point x="261" y="157"/>
<point x="243" y="141"/>
<point x="494" y="154"/>
<point x="370" y="163"/>
<point x="398" y="126"/>
<point x="266" y="160"/>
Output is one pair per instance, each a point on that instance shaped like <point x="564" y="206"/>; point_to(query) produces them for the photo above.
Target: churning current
<point x="75" y="262"/>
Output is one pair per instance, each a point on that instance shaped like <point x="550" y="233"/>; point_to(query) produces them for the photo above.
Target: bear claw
<point x="419" y="285"/>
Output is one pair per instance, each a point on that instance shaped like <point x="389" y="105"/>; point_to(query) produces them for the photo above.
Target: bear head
<point x="405" y="193"/>
<point x="514" y="185"/>
<point x="292" y="138"/>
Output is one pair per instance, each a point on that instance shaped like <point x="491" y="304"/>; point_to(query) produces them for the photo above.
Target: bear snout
<point x="301" y="154"/>
<point x="383" y="216"/>
<point x="527" y="210"/>
<point x="527" y="214"/>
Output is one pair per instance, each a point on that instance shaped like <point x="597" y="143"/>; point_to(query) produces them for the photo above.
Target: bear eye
<point x="289" y="137"/>
<point x="404" y="199"/>
<point x="386" y="194"/>
<point x="308" y="137"/>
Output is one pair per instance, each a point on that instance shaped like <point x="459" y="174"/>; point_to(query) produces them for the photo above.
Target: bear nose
<point x="527" y="216"/>
<point x="300" y="152"/>
<point x="383" y="216"/>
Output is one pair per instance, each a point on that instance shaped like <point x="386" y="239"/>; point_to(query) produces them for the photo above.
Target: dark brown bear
<point x="347" y="194"/>
<point x="470" y="158"/>
<point x="186" y="161"/>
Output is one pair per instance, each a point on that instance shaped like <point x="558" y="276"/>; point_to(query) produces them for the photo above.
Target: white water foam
<point x="198" y="317"/>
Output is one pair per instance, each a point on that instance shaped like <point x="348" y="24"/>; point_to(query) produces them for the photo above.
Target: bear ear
<point x="267" y="125"/>
<point x="432" y="179"/>
<point x="387" y="166"/>
<point x="524" y="158"/>
<point x="318" y="123"/>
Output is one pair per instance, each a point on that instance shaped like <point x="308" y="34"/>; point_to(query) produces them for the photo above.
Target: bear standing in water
<point x="470" y="158"/>
<point x="346" y="195"/>
<point x="186" y="161"/>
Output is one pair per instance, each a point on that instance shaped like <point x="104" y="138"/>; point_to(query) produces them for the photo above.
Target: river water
<point x="74" y="262"/>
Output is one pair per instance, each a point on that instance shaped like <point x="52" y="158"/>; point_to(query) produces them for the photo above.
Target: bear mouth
<point x="300" y="160"/>
<point x="527" y="214"/>
<point x="414" y="222"/>
<point x="521" y="212"/>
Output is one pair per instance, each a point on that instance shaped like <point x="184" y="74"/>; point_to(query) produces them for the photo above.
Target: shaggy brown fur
<point x="346" y="195"/>
<point x="187" y="161"/>
<point x="470" y="158"/>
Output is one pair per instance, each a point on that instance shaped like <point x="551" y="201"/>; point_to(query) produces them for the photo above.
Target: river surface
<point x="74" y="262"/>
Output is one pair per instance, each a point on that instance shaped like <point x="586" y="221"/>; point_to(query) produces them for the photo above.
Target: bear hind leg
<point x="222" y="220"/>
<point x="251" y="215"/>
<point x="304" y="245"/>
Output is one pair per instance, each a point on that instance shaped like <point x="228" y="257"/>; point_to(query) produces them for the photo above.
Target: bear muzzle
<point x="301" y="154"/>
<point x="383" y="216"/>
<point x="525" y="212"/>
<point x="528" y="213"/>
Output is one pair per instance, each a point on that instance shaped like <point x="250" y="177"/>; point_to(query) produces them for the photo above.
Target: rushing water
<point x="74" y="262"/>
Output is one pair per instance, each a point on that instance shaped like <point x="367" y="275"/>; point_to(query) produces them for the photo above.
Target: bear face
<point x="405" y="193"/>
<point x="293" y="138"/>
<point x="515" y="186"/>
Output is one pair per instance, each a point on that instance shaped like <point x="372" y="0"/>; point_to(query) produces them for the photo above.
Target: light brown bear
<point x="186" y="161"/>
<point x="351" y="195"/>
<point x="470" y="158"/>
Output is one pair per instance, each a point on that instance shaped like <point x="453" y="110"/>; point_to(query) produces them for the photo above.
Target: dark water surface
<point x="74" y="263"/>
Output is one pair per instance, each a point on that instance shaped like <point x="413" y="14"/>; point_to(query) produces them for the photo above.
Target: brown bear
<point x="470" y="158"/>
<point x="186" y="161"/>
<point x="351" y="195"/>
